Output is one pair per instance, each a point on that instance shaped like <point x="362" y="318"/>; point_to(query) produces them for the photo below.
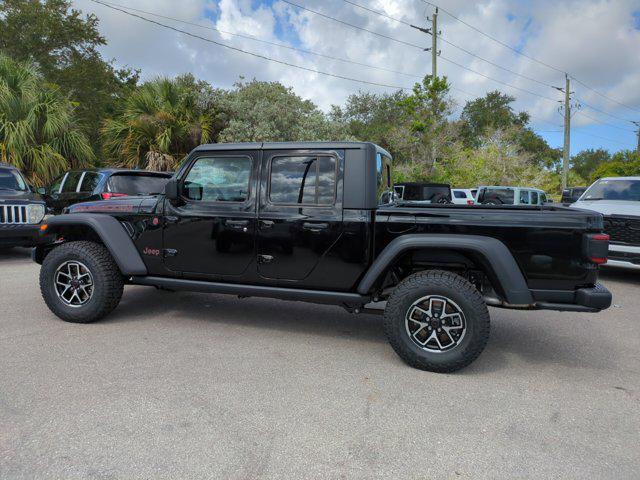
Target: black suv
<point x="78" y="186"/>
<point x="21" y="210"/>
<point x="317" y="222"/>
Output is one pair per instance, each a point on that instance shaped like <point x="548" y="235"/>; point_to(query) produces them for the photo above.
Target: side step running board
<point x="295" y="294"/>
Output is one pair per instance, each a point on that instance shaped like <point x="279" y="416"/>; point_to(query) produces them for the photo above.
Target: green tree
<point x="64" y="45"/>
<point x="623" y="164"/>
<point x="371" y="117"/>
<point x="587" y="161"/>
<point x="268" y="111"/>
<point x="157" y="124"/>
<point x="425" y="132"/>
<point x="39" y="132"/>
<point x="487" y="114"/>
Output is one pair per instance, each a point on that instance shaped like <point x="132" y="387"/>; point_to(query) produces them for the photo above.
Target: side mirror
<point x="171" y="189"/>
<point x="42" y="191"/>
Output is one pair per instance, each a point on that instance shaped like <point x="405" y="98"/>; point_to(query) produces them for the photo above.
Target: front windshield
<point x="12" y="180"/>
<point x="612" y="189"/>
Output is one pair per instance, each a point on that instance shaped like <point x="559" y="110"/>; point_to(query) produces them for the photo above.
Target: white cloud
<point x="595" y="40"/>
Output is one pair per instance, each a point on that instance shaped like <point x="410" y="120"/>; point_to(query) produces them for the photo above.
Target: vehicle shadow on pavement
<point x="620" y="275"/>
<point x="332" y="321"/>
<point x="512" y="342"/>
<point x="15" y="254"/>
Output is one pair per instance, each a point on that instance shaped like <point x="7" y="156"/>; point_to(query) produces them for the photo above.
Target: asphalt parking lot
<point x="185" y="385"/>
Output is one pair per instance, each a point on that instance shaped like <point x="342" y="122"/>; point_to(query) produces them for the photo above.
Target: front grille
<point x="623" y="229"/>
<point x="14" y="214"/>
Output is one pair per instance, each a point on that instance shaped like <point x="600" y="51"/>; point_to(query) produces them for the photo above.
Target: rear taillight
<point x="108" y="195"/>
<point x="596" y="247"/>
<point x="470" y="202"/>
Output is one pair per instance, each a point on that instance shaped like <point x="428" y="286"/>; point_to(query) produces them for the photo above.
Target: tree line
<point x="62" y="105"/>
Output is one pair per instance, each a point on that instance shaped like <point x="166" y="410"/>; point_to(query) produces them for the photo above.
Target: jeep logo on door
<point x="155" y="252"/>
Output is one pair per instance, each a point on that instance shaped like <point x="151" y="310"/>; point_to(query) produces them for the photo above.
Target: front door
<point x="300" y="212"/>
<point x="210" y="230"/>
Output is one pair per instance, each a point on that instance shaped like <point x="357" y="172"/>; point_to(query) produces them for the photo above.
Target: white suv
<point x="618" y="199"/>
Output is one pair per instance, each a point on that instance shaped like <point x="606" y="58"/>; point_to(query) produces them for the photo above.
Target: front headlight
<point x="36" y="213"/>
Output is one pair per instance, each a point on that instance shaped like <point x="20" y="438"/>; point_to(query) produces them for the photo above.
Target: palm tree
<point x="159" y="122"/>
<point x="38" y="129"/>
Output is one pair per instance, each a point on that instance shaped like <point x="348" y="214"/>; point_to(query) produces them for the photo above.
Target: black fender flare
<point x="497" y="261"/>
<point x="112" y="234"/>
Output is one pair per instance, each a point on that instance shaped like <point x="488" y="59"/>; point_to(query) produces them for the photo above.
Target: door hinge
<point x="169" y="252"/>
<point x="265" y="259"/>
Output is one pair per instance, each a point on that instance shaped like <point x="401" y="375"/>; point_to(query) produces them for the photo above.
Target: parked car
<point x="572" y="194"/>
<point x="618" y="199"/>
<point x="78" y="186"/>
<point x="436" y="266"/>
<point x="501" y="195"/>
<point x="423" y="192"/>
<point x="463" y="196"/>
<point x="21" y="210"/>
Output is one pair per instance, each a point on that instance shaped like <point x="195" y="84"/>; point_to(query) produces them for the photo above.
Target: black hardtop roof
<point x="111" y="170"/>
<point x="289" y="146"/>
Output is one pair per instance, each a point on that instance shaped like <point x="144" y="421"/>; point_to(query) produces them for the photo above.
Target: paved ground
<point x="204" y="386"/>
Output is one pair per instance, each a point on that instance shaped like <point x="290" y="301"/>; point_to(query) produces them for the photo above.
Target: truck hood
<point x="119" y="205"/>
<point x="610" y="207"/>
<point x="12" y="196"/>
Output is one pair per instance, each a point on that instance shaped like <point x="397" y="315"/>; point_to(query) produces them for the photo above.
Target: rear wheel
<point x="80" y="282"/>
<point x="437" y="321"/>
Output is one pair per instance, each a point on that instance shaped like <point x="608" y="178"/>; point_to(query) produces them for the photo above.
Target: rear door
<point x="69" y="193"/>
<point x="300" y="211"/>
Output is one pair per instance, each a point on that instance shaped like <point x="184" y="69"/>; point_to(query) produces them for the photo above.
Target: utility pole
<point x="566" y="109"/>
<point x="637" y="124"/>
<point x="434" y="45"/>
<point x="433" y="31"/>
<point x="567" y="132"/>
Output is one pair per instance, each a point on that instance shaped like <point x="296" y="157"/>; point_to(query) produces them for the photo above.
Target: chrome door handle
<point x="314" y="227"/>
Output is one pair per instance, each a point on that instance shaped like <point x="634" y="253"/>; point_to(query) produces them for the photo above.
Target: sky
<point x="533" y="43"/>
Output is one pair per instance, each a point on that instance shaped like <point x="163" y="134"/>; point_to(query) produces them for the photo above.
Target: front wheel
<point x="80" y="282"/>
<point x="437" y="321"/>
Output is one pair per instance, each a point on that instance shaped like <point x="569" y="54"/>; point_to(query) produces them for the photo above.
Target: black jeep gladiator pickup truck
<point x="318" y="222"/>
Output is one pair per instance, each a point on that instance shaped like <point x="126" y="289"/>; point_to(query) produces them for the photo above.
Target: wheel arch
<point x="98" y="228"/>
<point x="489" y="254"/>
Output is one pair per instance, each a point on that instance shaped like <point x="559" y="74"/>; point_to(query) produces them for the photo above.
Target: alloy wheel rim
<point x="435" y="323"/>
<point x="74" y="283"/>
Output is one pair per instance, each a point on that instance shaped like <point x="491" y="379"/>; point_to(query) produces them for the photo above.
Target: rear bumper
<point x="19" y="235"/>
<point x="592" y="299"/>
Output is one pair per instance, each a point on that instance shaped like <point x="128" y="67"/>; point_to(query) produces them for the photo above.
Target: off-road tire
<point x="454" y="287"/>
<point x="108" y="283"/>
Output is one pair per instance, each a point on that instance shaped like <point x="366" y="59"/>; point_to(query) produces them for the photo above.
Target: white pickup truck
<point x="618" y="199"/>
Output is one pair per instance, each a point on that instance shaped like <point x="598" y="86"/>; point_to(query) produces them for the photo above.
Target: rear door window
<point x="90" y="182"/>
<point x="459" y="194"/>
<point x="136" y="184"/>
<point x="71" y="183"/>
<point x="303" y="180"/>
<point x="524" y="197"/>
<point x="534" y="198"/>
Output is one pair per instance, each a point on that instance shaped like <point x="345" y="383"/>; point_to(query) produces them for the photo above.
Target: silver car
<point x="618" y="199"/>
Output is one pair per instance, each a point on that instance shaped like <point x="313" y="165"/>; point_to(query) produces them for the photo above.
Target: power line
<point x="595" y="109"/>
<point x="493" y="38"/>
<point x="329" y="17"/>
<point x="637" y="110"/>
<point x="603" y="123"/>
<point x="247" y="52"/>
<point x="416" y="46"/>
<point x="462" y="49"/>
<point x="497" y="81"/>
<point x="266" y="42"/>
<point x="518" y="52"/>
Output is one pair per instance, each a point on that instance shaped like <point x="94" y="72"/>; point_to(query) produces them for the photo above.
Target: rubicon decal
<point x="155" y="252"/>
